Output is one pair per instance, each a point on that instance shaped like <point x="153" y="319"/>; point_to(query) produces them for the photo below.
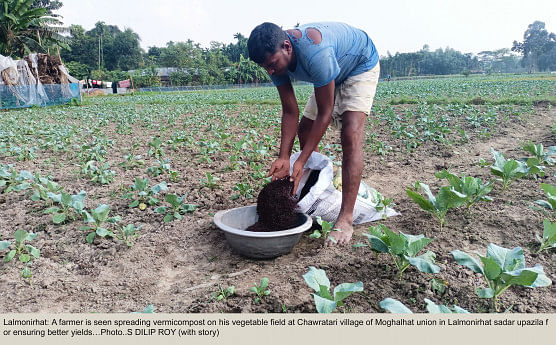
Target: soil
<point x="177" y="266"/>
<point x="276" y="207"/>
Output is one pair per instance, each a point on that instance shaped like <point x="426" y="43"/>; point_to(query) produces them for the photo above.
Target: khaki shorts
<point x="354" y="94"/>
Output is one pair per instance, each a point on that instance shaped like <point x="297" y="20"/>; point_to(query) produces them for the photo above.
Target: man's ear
<point x="287" y="46"/>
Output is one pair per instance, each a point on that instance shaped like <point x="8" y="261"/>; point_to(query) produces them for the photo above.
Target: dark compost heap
<point x="276" y="207"/>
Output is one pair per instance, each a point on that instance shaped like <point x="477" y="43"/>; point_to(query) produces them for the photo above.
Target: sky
<point x="469" y="26"/>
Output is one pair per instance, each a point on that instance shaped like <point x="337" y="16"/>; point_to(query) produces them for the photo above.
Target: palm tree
<point x="24" y="29"/>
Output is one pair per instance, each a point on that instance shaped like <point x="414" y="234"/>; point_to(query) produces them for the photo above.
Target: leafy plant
<point x="127" y="234"/>
<point x="548" y="239"/>
<point x="402" y="248"/>
<point x="543" y="156"/>
<point x="396" y="307"/>
<point x="261" y="290"/>
<point x="102" y="175"/>
<point x="26" y="253"/>
<point x="142" y="195"/>
<point x="550" y="191"/>
<point x="223" y="293"/>
<point x="98" y="222"/>
<point x="132" y="161"/>
<point x="156" y="150"/>
<point x="326" y="228"/>
<point x="11" y="180"/>
<point x="473" y="188"/>
<point x="446" y="199"/>
<point x="70" y="206"/>
<point x="243" y="189"/>
<point x="507" y="169"/>
<point x="41" y="187"/>
<point x="502" y="268"/>
<point x="210" y="181"/>
<point x="177" y="208"/>
<point x="325" y="302"/>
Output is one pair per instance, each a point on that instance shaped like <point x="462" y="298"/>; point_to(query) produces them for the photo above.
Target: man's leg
<point x="303" y="131"/>
<point x="353" y="127"/>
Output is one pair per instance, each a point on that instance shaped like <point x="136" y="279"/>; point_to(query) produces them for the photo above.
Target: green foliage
<point x="502" y="268"/>
<point x="396" y="307"/>
<point x="98" y="223"/>
<point x="402" y="248"/>
<point x="325" y="231"/>
<point x="543" y="156"/>
<point x="142" y="194"/>
<point x="11" y="180"/>
<point x="223" y="293"/>
<point x="26" y="253"/>
<point x="550" y="204"/>
<point x="472" y="188"/>
<point x="26" y="29"/>
<point x="507" y="169"/>
<point x="210" y="181"/>
<point x="178" y="207"/>
<point x="325" y="302"/>
<point x="439" y="205"/>
<point x="127" y="234"/>
<point x="548" y="239"/>
<point x="261" y="290"/>
<point x="68" y="206"/>
<point x="132" y="161"/>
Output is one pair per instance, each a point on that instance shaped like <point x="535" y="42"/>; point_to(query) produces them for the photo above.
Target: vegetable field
<point x="107" y="206"/>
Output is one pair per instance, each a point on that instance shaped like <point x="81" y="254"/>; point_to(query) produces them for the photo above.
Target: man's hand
<point x="279" y="169"/>
<point x="297" y="172"/>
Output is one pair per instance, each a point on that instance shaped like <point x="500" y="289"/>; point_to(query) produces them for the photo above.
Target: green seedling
<point x="210" y="181"/>
<point x="102" y="175"/>
<point x="223" y="294"/>
<point x="26" y="253"/>
<point x="142" y="195"/>
<point x="132" y="161"/>
<point x="548" y="239"/>
<point x="472" y="188"/>
<point x="243" y="189"/>
<point x="550" y="204"/>
<point x="325" y="302"/>
<point x="41" y="188"/>
<point x="156" y="150"/>
<point x="261" y="290"/>
<point x="502" y="268"/>
<point x="446" y="199"/>
<point x="326" y="228"/>
<point x="11" y="180"/>
<point x="177" y="208"/>
<point x="163" y="167"/>
<point x="396" y="307"/>
<point x="507" y="169"/>
<point x="402" y="248"/>
<point x="98" y="223"/>
<point x="69" y="206"/>
<point x="543" y="156"/>
<point x="127" y="234"/>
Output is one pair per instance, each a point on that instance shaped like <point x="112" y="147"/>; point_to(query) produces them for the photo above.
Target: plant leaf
<point x="324" y="305"/>
<point x="394" y="306"/>
<point x="468" y="261"/>
<point x="344" y="290"/>
<point x="316" y="277"/>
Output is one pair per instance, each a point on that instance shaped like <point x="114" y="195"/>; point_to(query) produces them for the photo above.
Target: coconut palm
<point x="24" y="29"/>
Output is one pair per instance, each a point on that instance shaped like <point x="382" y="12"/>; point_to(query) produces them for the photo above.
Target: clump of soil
<point x="276" y="207"/>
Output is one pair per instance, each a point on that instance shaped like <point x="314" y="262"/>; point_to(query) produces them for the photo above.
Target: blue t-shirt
<point x="343" y="52"/>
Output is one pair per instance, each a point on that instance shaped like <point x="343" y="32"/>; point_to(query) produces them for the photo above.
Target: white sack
<point x="325" y="201"/>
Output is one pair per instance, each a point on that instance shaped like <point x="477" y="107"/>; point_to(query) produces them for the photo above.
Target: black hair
<point x="265" y="38"/>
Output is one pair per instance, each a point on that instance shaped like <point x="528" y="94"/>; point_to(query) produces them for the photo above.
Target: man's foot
<point x="343" y="236"/>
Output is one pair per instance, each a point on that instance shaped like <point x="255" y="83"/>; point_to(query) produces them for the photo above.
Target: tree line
<point x="107" y="53"/>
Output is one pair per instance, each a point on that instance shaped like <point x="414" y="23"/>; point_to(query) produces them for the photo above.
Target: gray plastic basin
<point x="258" y="245"/>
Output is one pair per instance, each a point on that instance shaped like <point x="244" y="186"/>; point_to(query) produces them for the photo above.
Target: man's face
<point x="277" y="64"/>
